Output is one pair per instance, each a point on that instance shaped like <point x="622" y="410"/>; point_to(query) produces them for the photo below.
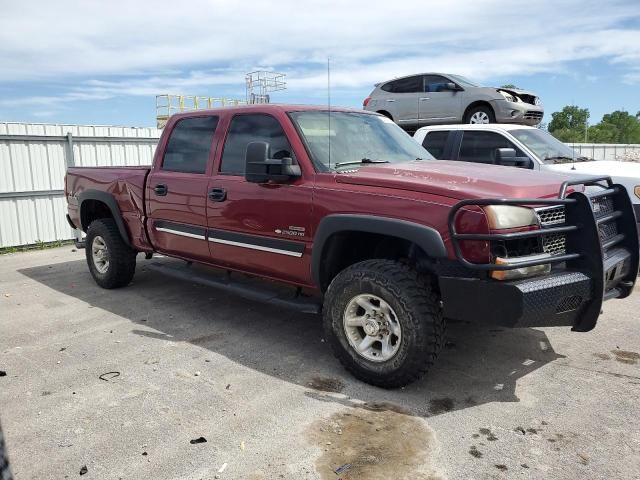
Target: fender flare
<point x="109" y="200"/>
<point x="427" y="238"/>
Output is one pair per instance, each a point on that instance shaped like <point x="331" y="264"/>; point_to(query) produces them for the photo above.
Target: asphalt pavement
<point x="166" y="379"/>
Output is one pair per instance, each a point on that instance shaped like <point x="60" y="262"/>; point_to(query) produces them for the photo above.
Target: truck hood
<point x="624" y="173"/>
<point x="459" y="180"/>
<point x="599" y="167"/>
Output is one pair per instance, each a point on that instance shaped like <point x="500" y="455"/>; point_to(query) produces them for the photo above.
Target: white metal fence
<point x="608" y="151"/>
<point x="33" y="161"/>
<point x="34" y="158"/>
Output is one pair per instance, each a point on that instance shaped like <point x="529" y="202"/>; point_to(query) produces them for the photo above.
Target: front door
<point x="177" y="189"/>
<point x="439" y="104"/>
<point x="259" y="228"/>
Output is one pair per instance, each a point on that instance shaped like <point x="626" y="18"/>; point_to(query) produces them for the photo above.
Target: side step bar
<point x="246" y="289"/>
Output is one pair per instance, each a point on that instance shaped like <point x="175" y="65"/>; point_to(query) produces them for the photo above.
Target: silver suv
<point x="437" y="98"/>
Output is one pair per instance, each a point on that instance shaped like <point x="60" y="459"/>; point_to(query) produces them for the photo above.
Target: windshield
<point x="546" y="147"/>
<point x="463" y="81"/>
<point x="355" y="139"/>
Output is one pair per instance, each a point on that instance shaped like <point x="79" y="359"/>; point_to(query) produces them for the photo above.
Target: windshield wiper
<point x="360" y="162"/>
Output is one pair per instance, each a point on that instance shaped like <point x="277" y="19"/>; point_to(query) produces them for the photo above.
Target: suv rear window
<point x="405" y="85"/>
<point x="189" y="145"/>
<point x="435" y="142"/>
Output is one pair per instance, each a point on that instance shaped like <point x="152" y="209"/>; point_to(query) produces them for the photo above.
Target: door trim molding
<point x="255" y="242"/>
<point x="180" y="229"/>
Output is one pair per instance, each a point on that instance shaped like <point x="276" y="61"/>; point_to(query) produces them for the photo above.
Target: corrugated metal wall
<point x="33" y="161"/>
<point x="34" y="158"/>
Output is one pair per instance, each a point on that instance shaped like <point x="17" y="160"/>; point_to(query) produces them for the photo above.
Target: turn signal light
<point x="520" y="272"/>
<point x="366" y="101"/>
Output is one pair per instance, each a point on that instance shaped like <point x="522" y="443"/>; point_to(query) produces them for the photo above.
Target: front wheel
<point x="384" y="322"/>
<point x="111" y="261"/>
<point x="480" y="115"/>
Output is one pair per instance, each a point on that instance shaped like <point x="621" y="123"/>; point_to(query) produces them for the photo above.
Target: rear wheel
<point x="111" y="261"/>
<point x="480" y="115"/>
<point x="384" y="322"/>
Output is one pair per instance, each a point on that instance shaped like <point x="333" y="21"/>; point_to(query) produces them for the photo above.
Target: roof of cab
<point x="267" y="108"/>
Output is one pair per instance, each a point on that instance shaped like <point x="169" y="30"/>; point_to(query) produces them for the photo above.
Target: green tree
<point x="616" y="127"/>
<point x="569" y="124"/>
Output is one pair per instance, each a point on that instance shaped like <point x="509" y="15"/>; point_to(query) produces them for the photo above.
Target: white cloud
<point x="122" y="47"/>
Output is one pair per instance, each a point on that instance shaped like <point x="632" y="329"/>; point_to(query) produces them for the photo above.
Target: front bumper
<point x="600" y="263"/>
<point x="549" y="301"/>
<point x="521" y="113"/>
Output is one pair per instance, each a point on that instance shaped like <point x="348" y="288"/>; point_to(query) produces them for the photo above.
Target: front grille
<point x="551" y="215"/>
<point x="607" y="230"/>
<point x="554" y="244"/>
<point x="602" y="206"/>
<point x="533" y="115"/>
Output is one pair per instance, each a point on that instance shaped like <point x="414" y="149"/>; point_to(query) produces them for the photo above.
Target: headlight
<point x="508" y="97"/>
<point x="537" y="102"/>
<point x="502" y="217"/>
<point x="637" y="191"/>
<point x="508" y="216"/>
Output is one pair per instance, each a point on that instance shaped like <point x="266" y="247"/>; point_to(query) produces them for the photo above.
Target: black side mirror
<point x="507" y="157"/>
<point x="259" y="168"/>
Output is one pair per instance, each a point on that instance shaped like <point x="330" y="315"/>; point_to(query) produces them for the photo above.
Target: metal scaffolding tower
<point x="261" y="82"/>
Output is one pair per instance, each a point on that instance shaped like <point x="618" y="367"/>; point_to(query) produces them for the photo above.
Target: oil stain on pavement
<point x="374" y="443"/>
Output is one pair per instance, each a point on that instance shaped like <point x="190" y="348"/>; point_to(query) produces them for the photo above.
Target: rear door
<point x="177" y="189"/>
<point x="438" y="104"/>
<point x="406" y="93"/>
<point x="438" y="144"/>
<point x="259" y="228"/>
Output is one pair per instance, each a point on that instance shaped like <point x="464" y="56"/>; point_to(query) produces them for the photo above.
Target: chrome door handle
<point x="422" y="99"/>
<point x="390" y="100"/>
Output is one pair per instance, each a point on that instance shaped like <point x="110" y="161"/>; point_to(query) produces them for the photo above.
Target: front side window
<point x="435" y="142"/>
<point x="189" y="145"/>
<point x="435" y="83"/>
<point x="245" y="129"/>
<point x="339" y="141"/>
<point x="480" y="147"/>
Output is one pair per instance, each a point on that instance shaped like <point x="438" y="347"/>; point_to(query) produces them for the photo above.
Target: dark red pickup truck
<point x="345" y="208"/>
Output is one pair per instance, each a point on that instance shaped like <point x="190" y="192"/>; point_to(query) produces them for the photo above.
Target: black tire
<point x="416" y="306"/>
<point x="480" y="109"/>
<point x="121" y="258"/>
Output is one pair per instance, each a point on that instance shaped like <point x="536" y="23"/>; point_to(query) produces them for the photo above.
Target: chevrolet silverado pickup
<point x="357" y="220"/>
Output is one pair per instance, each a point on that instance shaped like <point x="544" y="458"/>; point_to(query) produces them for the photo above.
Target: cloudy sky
<point x="103" y="62"/>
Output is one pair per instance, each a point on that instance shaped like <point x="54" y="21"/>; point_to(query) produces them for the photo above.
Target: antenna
<point x="329" y="105"/>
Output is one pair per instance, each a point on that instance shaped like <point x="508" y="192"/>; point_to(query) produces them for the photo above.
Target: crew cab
<point x="362" y="224"/>
<point x="524" y="147"/>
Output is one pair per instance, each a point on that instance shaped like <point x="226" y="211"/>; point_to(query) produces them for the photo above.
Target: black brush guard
<point x="595" y="267"/>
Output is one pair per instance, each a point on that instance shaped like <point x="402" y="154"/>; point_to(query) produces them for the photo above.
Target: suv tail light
<point x="366" y="101"/>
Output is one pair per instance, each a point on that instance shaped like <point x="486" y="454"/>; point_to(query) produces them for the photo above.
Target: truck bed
<point x="126" y="184"/>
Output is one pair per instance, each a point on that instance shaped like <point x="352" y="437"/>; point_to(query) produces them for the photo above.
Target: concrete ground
<point x="261" y="386"/>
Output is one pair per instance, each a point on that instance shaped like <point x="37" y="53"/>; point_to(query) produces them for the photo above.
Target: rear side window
<point x="245" y="129"/>
<point x="189" y="145"/>
<point x="435" y="142"/>
<point x="405" y="85"/>
<point x="481" y="147"/>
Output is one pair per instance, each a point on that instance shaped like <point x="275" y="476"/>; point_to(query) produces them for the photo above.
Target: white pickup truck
<point x="524" y="147"/>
